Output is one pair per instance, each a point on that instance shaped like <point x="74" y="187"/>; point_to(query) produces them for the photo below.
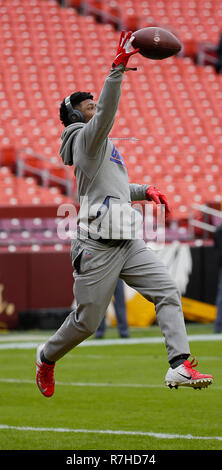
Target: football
<point x="156" y="43"/>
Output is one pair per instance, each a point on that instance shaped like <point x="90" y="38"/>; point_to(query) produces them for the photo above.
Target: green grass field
<point x="109" y="397"/>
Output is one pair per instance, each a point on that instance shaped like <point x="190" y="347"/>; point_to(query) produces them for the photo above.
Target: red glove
<point x="123" y="51"/>
<point x="153" y="194"/>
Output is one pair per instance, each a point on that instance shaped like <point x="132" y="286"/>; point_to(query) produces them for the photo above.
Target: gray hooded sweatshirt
<point x="104" y="191"/>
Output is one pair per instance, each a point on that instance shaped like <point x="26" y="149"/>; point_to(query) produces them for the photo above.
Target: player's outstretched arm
<point x="98" y="128"/>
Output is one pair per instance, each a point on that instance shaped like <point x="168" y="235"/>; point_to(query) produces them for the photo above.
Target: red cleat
<point x="44" y="375"/>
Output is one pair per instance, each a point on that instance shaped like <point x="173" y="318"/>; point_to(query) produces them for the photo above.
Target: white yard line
<point x="111" y="432"/>
<point x="92" y="384"/>
<point x="9" y="344"/>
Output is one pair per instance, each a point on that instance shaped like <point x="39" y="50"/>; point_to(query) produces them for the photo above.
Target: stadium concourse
<point x="168" y="126"/>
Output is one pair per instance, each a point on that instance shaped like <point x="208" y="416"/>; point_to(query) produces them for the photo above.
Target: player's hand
<point x="153" y="194"/>
<point x="123" y="52"/>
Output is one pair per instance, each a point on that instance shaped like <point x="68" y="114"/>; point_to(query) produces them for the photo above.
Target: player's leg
<point x="144" y="272"/>
<point x="97" y="270"/>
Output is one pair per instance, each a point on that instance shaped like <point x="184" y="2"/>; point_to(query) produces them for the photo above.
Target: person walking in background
<point x="120" y="310"/>
<point x="218" y="247"/>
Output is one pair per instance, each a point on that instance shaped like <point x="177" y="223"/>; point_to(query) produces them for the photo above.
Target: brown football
<point x="156" y="43"/>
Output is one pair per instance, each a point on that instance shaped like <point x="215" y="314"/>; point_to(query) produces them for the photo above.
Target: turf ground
<point x="109" y="396"/>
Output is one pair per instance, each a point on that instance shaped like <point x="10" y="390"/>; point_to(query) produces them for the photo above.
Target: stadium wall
<point x="42" y="282"/>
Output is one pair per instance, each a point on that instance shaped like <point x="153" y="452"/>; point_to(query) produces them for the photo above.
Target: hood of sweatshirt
<point x="68" y="137"/>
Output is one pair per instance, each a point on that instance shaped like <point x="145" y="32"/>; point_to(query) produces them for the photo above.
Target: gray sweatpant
<point x="97" y="268"/>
